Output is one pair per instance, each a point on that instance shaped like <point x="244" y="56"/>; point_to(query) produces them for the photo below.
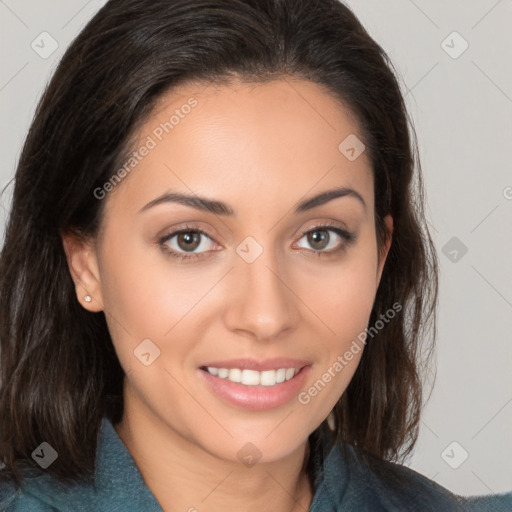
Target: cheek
<point x="143" y="290"/>
<point x="351" y="297"/>
<point x="343" y="294"/>
<point x="146" y="300"/>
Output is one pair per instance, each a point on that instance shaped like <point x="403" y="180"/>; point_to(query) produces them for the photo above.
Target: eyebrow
<point x="220" y="208"/>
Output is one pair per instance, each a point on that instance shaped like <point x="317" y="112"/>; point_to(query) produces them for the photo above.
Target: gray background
<point x="461" y="104"/>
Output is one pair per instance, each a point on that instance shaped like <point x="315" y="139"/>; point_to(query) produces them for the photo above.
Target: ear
<point x="83" y="266"/>
<point x="383" y="254"/>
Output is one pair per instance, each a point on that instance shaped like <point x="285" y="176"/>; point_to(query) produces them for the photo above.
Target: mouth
<point x="253" y="377"/>
<point x="255" y="385"/>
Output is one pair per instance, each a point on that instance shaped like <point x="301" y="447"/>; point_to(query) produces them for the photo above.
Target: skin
<point x="260" y="148"/>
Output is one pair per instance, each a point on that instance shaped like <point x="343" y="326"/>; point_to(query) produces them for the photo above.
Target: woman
<point x="216" y="273"/>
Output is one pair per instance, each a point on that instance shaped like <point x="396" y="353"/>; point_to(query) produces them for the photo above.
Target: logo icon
<point x="352" y="147"/>
<point x="44" y="45"/>
<point x="44" y="455"/>
<point x="454" y="45"/>
<point x="146" y="352"/>
<point x="454" y="455"/>
<point x="249" y="455"/>
<point x="249" y="250"/>
<point x="454" y="249"/>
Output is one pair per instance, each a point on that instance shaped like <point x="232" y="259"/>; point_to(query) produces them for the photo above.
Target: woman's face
<point x="262" y="279"/>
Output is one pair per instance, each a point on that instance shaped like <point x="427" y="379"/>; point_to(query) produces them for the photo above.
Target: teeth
<point x="268" y="378"/>
<point x="223" y="373"/>
<point x="253" y="377"/>
<point x="290" y="372"/>
<point x="280" y="375"/>
<point x="235" y="375"/>
<point x="250" y="378"/>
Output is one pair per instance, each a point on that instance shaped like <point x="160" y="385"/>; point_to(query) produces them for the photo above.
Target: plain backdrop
<point x="453" y="60"/>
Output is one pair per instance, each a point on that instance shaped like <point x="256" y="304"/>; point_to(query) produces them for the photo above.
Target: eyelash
<point x="345" y="235"/>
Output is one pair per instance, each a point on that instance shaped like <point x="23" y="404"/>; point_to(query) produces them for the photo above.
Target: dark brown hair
<point x="59" y="372"/>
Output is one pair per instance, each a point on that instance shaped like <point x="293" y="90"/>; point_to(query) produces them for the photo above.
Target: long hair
<point x="59" y="372"/>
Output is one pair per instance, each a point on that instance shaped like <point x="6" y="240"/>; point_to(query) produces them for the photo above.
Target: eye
<point x="182" y="243"/>
<point x="322" y="241"/>
<point x="190" y="243"/>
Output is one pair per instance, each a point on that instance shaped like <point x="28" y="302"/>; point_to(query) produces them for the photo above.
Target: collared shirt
<point x="343" y="481"/>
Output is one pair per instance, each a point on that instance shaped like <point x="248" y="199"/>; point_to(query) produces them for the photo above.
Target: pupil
<point x="316" y="241"/>
<point x="189" y="238"/>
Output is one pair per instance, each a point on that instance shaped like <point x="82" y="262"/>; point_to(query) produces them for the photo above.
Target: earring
<point x="87" y="298"/>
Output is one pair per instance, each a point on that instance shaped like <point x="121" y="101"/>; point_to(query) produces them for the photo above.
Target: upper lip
<point x="259" y="365"/>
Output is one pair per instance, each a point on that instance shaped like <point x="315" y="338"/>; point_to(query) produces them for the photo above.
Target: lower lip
<point x="256" y="398"/>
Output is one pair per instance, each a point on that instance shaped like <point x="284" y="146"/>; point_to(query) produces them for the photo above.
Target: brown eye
<point x="318" y="239"/>
<point x="189" y="240"/>
<point x="182" y="243"/>
<point x="326" y="239"/>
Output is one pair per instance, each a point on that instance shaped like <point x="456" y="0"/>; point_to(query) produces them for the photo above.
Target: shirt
<point x="342" y="483"/>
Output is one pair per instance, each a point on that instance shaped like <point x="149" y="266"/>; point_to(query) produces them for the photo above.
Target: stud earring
<point x="88" y="298"/>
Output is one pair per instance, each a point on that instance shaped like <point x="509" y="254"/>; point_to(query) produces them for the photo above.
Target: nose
<point x="262" y="303"/>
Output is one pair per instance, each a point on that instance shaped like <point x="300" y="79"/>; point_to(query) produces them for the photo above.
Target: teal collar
<point x="118" y="483"/>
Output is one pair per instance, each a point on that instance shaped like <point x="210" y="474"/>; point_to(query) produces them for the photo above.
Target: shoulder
<point x="352" y="480"/>
<point x="393" y="486"/>
<point x="115" y="485"/>
<point x="399" y="484"/>
<point x="398" y="487"/>
<point x="14" y="499"/>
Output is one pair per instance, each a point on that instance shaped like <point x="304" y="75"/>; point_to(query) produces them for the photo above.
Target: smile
<point x="248" y="388"/>
<point x="253" y="377"/>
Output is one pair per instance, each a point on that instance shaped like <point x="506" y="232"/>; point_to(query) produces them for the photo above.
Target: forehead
<point x="242" y="142"/>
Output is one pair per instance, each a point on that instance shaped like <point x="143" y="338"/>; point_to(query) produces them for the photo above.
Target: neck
<point x="182" y="477"/>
